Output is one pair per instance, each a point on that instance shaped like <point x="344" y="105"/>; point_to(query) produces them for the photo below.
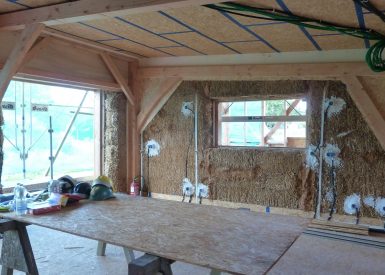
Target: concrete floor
<point x="60" y="253"/>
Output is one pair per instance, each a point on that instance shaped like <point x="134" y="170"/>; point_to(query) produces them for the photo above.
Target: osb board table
<point x="231" y="240"/>
<point x="321" y="252"/>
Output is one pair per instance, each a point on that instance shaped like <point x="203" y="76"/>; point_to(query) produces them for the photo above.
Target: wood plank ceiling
<point x="200" y="31"/>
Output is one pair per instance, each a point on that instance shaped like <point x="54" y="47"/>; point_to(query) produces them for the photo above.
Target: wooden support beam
<point x="133" y="136"/>
<point x="321" y="71"/>
<point x="83" y="10"/>
<point x="27" y="39"/>
<point x="120" y="79"/>
<point x="148" y="112"/>
<point x="360" y="96"/>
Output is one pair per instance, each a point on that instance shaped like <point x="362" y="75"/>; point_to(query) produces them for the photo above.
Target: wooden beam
<point x="321" y="71"/>
<point x="83" y="10"/>
<point x="148" y="112"/>
<point x="88" y="44"/>
<point x="27" y="39"/>
<point x="65" y="80"/>
<point x="118" y="77"/>
<point x="360" y="96"/>
<point x="133" y="136"/>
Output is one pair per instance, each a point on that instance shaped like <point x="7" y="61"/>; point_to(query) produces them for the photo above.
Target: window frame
<point x="218" y="120"/>
<point x="38" y="183"/>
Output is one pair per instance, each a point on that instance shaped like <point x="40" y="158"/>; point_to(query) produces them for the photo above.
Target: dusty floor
<point x="60" y="253"/>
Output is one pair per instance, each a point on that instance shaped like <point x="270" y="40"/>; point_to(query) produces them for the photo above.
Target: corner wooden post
<point x="27" y="39"/>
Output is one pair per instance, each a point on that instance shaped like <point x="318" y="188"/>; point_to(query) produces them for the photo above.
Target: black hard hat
<point x="67" y="188"/>
<point x="83" y="188"/>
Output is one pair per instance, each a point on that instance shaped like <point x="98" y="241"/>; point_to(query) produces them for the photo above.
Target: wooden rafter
<point x="321" y="71"/>
<point x="83" y="10"/>
<point x="370" y="112"/>
<point x="278" y="124"/>
<point x="165" y="90"/>
<point x="120" y="79"/>
<point x="27" y="39"/>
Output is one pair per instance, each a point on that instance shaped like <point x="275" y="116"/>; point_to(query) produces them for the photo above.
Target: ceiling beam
<point x="120" y="79"/>
<point x="27" y="39"/>
<point x="321" y="71"/>
<point x="370" y="112"/>
<point x="83" y="10"/>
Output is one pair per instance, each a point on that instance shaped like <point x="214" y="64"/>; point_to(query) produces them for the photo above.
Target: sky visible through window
<point x="39" y="102"/>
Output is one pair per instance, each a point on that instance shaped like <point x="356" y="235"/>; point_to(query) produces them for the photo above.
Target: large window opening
<point x="262" y="123"/>
<point x="27" y="108"/>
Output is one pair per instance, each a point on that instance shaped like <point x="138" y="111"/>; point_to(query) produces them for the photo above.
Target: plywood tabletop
<point x="236" y="241"/>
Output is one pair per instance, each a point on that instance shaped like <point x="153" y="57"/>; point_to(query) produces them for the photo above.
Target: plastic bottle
<point x="20" y="198"/>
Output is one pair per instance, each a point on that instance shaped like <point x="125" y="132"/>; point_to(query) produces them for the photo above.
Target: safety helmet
<point x="102" y="180"/>
<point x="83" y="189"/>
<point x="66" y="185"/>
<point x="101" y="192"/>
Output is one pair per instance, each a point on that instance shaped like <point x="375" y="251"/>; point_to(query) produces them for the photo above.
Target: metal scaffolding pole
<point x="67" y="132"/>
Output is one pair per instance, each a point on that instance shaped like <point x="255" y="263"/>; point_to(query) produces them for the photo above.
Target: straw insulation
<point x="265" y="176"/>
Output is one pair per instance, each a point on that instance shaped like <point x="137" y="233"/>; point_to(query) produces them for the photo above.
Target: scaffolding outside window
<point x="262" y="123"/>
<point x="26" y="111"/>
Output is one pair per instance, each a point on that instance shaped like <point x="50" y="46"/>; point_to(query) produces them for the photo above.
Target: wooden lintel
<point x="370" y="112"/>
<point x="120" y="79"/>
<point x="65" y="80"/>
<point x="27" y="39"/>
<point x="321" y="71"/>
<point x="82" y="10"/>
<point x="148" y="112"/>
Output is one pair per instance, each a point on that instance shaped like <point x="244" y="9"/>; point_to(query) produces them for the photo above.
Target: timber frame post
<point x="130" y="89"/>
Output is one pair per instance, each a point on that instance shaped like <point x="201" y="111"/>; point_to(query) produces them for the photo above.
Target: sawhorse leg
<point x="149" y="264"/>
<point x="16" y="252"/>
<point x="128" y="253"/>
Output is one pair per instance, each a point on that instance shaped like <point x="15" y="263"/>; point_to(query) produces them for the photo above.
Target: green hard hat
<point x="101" y="192"/>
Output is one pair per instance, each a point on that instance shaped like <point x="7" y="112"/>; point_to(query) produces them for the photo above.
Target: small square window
<point x="262" y="123"/>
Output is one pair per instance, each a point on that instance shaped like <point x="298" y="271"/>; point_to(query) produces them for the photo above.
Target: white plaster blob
<point x="203" y="190"/>
<point x="352" y="203"/>
<point x="334" y="105"/>
<point x="331" y="153"/>
<point x="311" y="158"/>
<point x="152" y="148"/>
<point x="187" y="109"/>
<point x="187" y="187"/>
<point x="369" y="201"/>
<point x="344" y="134"/>
<point x="380" y="206"/>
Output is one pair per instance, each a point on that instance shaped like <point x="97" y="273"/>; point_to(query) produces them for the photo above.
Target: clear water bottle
<point x="20" y="198"/>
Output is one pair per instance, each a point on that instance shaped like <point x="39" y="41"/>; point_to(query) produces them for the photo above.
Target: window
<point x="262" y="123"/>
<point x="26" y="110"/>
